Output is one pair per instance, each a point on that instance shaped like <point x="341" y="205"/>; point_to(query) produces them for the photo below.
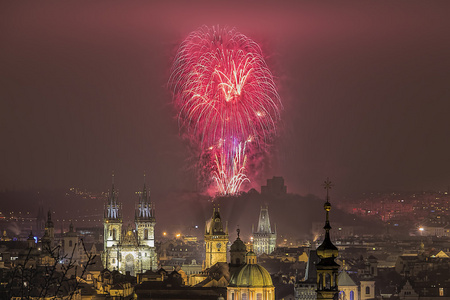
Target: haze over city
<point x="364" y="89"/>
<point x="144" y="145"/>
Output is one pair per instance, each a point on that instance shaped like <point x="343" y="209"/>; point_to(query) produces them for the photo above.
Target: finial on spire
<point x="327" y="206"/>
<point x="327" y="185"/>
<point x="112" y="177"/>
<point x="238" y="231"/>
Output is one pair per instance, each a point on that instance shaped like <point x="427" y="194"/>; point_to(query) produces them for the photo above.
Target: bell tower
<point x="264" y="239"/>
<point x="216" y="240"/>
<point x="327" y="268"/>
<point x="112" y="229"/>
<point x="145" y="226"/>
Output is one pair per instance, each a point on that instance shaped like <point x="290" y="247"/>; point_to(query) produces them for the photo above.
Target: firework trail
<point x="227" y="100"/>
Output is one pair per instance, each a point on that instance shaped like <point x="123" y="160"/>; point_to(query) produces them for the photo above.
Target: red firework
<point x="226" y="96"/>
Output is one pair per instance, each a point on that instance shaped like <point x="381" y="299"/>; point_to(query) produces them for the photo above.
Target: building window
<point x="232" y="296"/>
<point x="244" y="296"/>
<point x="441" y="292"/>
<point x="114" y="234"/>
<point x="259" y="296"/>
<point x="367" y="290"/>
<point x="145" y="234"/>
<point x="327" y="281"/>
<point x="352" y="295"/>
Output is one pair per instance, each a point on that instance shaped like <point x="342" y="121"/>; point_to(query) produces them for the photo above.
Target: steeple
<point x="264" y="221"/>
<point x="264" y="239"/>
<point x="144" y="208"/>
<point x="216" y="239"/>
<point x="327" y="268"/>
<point x="327" y="249"/>
<point x="237" y="251"/>
<point x="112" y="211"/>
<point x="215" y="225"/>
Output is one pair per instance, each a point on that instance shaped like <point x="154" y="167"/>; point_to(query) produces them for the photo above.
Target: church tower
<point x="112" y="225"/>
<point x="327" y="268"/>
<point x="216" y="240"/>
<point x="264" y="239"/>
<point x="49" y="233"/>
<point x="145" y="228"/>
<point x="238" y="250"/>
<point x="70" y="244"/>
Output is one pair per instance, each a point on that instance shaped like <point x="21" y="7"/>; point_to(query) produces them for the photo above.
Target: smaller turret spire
<point x="327" y="249"/>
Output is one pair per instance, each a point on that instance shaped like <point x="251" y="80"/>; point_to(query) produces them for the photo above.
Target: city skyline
<point x="364" y="89"/>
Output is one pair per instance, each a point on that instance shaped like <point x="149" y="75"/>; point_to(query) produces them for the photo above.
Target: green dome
<point x="251" y="275"/>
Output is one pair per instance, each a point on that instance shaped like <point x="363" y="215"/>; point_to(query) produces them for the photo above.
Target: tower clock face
<point x="218" y="246"/>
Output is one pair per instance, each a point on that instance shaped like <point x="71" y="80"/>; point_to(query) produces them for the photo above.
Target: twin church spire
<point x="112" y="211"/>
<point x="144" y="208"/>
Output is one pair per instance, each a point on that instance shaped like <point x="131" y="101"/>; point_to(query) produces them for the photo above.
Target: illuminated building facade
<point x="133" y="250"/>
<point x="216" y="240"/>
<point x="264" y="239"/>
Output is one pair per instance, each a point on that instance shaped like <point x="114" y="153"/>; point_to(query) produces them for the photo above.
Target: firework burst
<point x="226" y="97"/>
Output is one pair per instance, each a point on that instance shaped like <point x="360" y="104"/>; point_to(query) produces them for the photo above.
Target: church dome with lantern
<point x="251" y="278"/>
<point x="251" y="274"/>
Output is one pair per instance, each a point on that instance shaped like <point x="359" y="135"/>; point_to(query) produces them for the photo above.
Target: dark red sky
<point x="365" y="87"/>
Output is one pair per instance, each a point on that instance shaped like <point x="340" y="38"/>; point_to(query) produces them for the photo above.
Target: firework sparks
<point x="230" y="176"/>
<point x="226" y="98"/>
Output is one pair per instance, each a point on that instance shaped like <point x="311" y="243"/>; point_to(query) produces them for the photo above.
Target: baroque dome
<point x="251" y="275"/>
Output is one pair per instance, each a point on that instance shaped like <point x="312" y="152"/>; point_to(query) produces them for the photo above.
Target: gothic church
<point x="130" y="250"/>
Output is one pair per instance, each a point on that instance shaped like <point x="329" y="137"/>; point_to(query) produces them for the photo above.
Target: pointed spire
<point x="327" y="249"/>
<point x="112" y="210"/>
<point x="112" y="180"/>
<point x="327" y="206"/>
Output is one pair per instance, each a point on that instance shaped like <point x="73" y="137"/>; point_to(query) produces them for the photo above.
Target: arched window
<point x="342" y="295"/>
<point x="328" y="281"/>
<point x="367" y="290"/>
<point x="320" y="281"/>
<point x="114" y="234"/>
<point x="259" y="296"/>
<point x="244" y="296"/>
<point x="145" y="234"/>
<point x="352" y="295"/>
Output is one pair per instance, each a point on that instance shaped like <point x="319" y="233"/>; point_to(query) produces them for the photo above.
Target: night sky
<point x="365" y="88"/>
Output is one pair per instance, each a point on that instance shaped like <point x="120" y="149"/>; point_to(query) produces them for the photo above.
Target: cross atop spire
<point x="327" y="184"/>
